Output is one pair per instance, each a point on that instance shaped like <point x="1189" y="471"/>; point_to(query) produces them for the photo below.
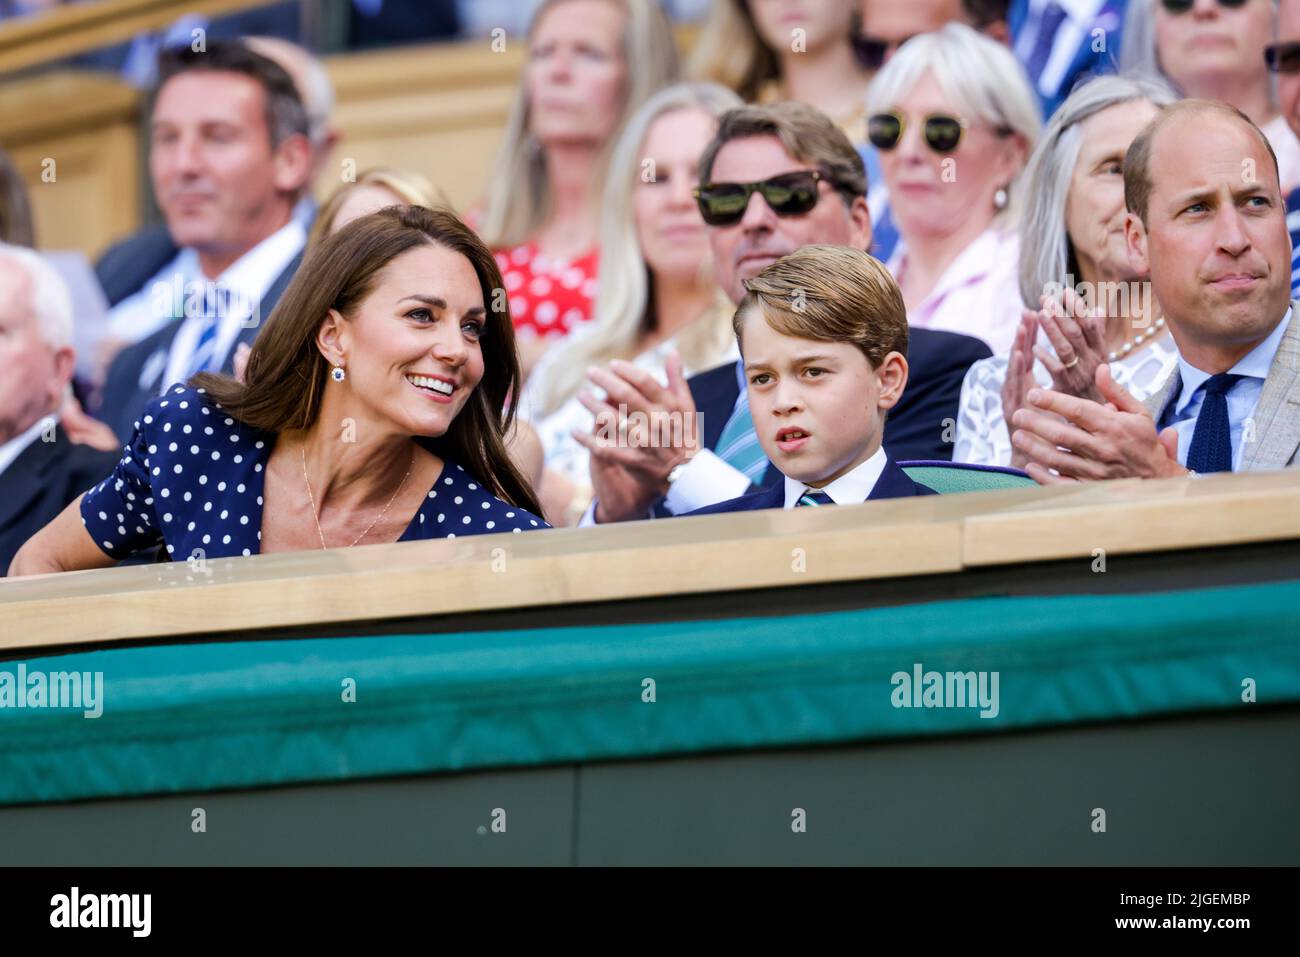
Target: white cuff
<point x="705" y="480"/>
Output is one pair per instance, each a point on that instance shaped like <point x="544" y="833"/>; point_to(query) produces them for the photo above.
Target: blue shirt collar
<point x="1254" y="364"/>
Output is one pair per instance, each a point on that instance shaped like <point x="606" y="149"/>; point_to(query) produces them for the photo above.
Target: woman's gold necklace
<point x="315" y="516"/>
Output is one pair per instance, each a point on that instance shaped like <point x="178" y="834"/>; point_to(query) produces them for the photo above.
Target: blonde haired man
<point x="823" y="337"/>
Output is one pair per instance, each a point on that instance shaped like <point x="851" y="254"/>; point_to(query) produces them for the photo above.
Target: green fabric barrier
<point x="240" y="714"/>
<point x="950" y="480"/>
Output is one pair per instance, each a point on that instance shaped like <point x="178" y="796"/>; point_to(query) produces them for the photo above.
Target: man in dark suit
<point x="776" y="178"/>
<point x="229" y="160"/>
<point x="41" y="470"/>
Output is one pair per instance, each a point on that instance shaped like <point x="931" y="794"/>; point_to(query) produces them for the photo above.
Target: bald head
<point x="1140" y="166"/>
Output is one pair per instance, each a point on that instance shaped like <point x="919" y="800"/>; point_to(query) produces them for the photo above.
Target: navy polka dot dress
<point x="192" y="478"/>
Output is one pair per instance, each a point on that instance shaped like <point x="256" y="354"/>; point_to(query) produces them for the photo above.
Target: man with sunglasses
<point x="774" y="179"/>
<point x="1283" y="59"/>
<point x="1205" y="220"/>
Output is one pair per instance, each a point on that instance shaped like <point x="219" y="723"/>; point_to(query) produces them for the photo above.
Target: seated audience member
<point x="657" y="295"/>
<point x="385" y="329"/>
<point x="955" y="121"/>
<point x="774" y="179"/>
<point x="229" y="158"/>
<point x="770" y="52"/>
<point x="16" y="226"/>
<point x="1107" y="314"/>
<point x="1064" y="43"/>
<point x="41" y="469"/>
<point x="1213" y="50"/>
<point x="822" y="378"/>
<point x="1283" y="58"/>
<point x="885" y="26"/>
<point x="316" y="90"/>
<point x="372" y="191"/>
<point x="1216" y="246"/>
<point x="591" y="64"/>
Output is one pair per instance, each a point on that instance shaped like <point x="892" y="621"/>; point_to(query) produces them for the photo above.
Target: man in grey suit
<point x="1207" y="222"/>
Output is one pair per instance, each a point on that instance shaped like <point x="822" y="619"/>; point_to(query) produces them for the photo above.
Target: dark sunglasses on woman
<point x="1283" y="57"/>
<point x="1182" y="6"/>
<point x="942" y="131"/>
<point x="790" y="194"/>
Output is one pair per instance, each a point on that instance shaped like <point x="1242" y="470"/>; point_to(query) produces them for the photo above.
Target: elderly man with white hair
<point x="41" y="469"/>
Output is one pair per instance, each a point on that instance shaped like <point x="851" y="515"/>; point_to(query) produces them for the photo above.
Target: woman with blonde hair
<point x="591" y="64"/>
<point x="954" y="120"/>
<point x="773" y="50"/>
<point x="370" y="192"/>
<point x="657" y="293"/>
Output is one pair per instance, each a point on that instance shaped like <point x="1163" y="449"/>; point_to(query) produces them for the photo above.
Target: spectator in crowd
<point x="823" y="432"/>
<point x="1213" y="50"/>
<point x="1062" y="43"/>
<point x="774" y="179"/>
<point x="16" y="225"/>
<point x="386" y="329"/>
<point x="316" y="90"/>
<point x="41" y="469"/>
<point x="1206" y="219"/>
<point x="373" y="190"/>
<point x="955" y="122"/>
<point x="657" y="293"/>
<point x="885" y="26"/>
<point x="1283" y="59"/>
<point x="154" y="246"/>
<point x="591" y="64"/>
<point x="1072" y="239"/>
<point x="775" y="50"/>
<point x="229" y="160"/>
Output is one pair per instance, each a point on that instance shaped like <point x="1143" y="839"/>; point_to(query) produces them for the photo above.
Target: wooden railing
<point x="69" y="30"/>
<point x="738" y="552"/>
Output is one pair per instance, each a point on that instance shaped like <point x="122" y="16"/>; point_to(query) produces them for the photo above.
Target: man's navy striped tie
<point x="814" y="498"/>
<point x="216" y="306"/>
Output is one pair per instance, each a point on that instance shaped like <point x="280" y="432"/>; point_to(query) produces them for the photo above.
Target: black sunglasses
<point x="1182" y="6"/>
<point x="1282" y="57"/>
<point x="942" y="131"/>
<point x="790" y="194"/>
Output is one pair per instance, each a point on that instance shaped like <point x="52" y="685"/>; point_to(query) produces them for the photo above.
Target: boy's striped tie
<point x="812" y="497"/>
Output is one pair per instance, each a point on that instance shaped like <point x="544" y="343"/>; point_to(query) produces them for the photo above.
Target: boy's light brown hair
<point x="830" y="294"/>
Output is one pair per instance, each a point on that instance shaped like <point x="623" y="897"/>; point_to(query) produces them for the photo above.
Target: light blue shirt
<point x="1242" y="397"/>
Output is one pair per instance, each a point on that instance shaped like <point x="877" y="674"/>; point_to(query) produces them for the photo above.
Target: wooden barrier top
<point x="736" y="552"/>
<point x="69" y="30"/>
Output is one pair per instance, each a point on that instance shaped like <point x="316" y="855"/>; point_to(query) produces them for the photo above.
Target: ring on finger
<point x="1072" y="363"/>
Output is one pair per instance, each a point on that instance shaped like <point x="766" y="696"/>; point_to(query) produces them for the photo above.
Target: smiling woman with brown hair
<point x="372" y="412"/>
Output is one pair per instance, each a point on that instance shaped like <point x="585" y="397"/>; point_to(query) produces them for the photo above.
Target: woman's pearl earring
<point x="1000" y="199"/>
<point x="337" y="374"/>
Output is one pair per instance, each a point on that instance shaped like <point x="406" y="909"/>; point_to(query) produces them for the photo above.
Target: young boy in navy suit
<point x="823" y="338"/>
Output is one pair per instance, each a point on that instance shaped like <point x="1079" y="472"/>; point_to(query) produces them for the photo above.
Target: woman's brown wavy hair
<point x="286" y="373"/>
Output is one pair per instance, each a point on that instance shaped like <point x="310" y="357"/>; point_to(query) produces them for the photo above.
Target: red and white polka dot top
<point x="548" y="298"/>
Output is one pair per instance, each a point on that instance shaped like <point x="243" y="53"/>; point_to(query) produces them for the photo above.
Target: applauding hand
<point x="1115" y="440"/>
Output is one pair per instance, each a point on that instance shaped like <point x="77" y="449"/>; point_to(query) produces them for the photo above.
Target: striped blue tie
<point x="813" y="498"/>
<point x="204" y="355"/>
<point x="738" y="445"/>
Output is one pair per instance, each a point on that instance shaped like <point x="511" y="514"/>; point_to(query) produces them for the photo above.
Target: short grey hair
<point x="979" y="76"/>
<point x="51" y="301"/>
<point x="1045" y="252"/>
